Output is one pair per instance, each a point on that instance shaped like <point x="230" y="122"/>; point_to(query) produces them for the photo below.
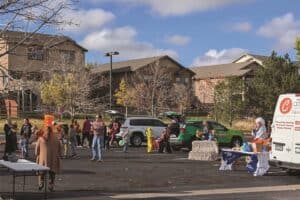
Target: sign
<point x="286" y="105"/>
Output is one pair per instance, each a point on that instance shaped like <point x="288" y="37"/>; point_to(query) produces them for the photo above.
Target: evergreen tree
<point x="277" y="76"/>
<point x="228" y="99"/>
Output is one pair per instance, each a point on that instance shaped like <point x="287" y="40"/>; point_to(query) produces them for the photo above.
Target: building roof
<point x="255" y="57"/>
<point x="37" y="38"/>
<point x="223" y="70"/>
<point x="133" y="65"/>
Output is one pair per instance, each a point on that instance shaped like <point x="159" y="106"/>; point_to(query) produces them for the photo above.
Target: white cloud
<point x="242" y="27"/>
<point x="87" y="20"/>
<point x="123" y="39"/>
<point x="179" y="40"/>
<point x="214" y="57"/>
<point x="283" y="30"/>
<point x="178" y="7"/>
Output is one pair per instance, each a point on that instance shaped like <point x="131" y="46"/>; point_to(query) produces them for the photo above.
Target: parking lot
<point x="138" y="175"/>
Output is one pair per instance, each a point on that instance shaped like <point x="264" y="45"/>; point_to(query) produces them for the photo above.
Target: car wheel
<point x="136" y="140"/>
<point x="236" y="142"/>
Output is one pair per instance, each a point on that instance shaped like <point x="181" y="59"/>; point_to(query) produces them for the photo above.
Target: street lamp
<point x="110" y="54"/>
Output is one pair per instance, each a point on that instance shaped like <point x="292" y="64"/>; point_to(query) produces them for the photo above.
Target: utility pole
<point x="110" y="54"/>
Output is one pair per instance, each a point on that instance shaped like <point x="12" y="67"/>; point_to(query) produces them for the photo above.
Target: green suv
<point x="224" y="136"/>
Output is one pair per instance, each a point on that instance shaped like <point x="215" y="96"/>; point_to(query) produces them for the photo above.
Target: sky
<point x="194" y="32"/>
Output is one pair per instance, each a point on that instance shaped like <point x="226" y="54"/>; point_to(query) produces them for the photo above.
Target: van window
<point x="141" y="122"/>
<point x="158" y="123"/>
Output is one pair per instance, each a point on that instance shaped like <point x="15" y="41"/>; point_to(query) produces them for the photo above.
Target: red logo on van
<point x="286" y="105"/>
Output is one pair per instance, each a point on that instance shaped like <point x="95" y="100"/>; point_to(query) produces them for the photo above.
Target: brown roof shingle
<point x="133" y="65"/>
<point x="222" y="70"/>
<point x="37" y="38"/>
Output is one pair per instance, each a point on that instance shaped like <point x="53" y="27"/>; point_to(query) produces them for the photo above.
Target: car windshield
<point x="217" y="126"/>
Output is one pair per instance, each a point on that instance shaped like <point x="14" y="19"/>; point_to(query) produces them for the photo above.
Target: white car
<point x="137" y="129"/>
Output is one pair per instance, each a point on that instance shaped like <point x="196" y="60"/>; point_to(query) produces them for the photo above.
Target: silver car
<point x="137" y="129"/>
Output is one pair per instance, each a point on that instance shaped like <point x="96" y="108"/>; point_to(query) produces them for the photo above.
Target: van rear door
<point x="296" y="132"/>
<point x="282" y="129"/>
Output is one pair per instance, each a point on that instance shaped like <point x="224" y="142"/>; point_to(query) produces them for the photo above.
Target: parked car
<point x="115" y="115"/>
<point x="224" y="136"/>
<point x="137" y="129"/>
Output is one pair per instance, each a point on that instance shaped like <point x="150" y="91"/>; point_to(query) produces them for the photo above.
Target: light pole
<point x="110" y="54"/>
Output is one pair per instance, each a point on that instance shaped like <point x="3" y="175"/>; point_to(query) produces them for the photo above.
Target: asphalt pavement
<point x="138" y="175"/>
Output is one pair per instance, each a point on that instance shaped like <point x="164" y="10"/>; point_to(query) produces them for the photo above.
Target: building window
<point x="178" y="79"/>
<point x="186" y="80"/>
<point x="35" y="53"/>
<point x="68" y="56"/>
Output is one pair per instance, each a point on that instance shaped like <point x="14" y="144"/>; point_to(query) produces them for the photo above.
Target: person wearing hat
<point x="98" y="128"/>
<point x="48" y="151"/>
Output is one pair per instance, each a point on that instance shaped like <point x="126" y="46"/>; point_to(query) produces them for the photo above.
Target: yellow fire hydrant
<point x="149" y="134"/>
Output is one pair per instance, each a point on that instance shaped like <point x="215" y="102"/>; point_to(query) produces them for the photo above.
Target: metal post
<point x="110" y="83"/>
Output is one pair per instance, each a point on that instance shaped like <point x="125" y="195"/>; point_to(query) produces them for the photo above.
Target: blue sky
<point x="194" y="32"/>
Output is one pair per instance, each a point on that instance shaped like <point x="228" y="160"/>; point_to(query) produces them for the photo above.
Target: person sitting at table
<point x="260" y="135"/>
<point x="48" y="154"/>
<point x="259" y="132"/>
<point x="204" y="134"/>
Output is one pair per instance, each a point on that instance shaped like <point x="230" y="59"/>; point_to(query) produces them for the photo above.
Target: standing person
<point x="165" y="141"/>
<point x="7" y="127"/>
<point x="107" y="137"/>
<point x="78" y="131"/>
<point x="113" y="131"/>
<point x="48" y="154"/>
<point x="26" y="134"/>
<point x="174" y="128"/>
<point x="73" y="140"/>
<point x="86" y="131"/>
<point x="205" y="131"/>
<point x="98" y="127"/>
<point x="125" y="137"/>
<point x="11" y="145"/>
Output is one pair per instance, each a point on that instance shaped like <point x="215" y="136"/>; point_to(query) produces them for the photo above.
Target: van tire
<point x="236" y="141"/>
<point x="136" y="139"/>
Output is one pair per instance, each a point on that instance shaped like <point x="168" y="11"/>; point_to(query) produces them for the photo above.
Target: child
<point x="211" y="136"/>
<point x="73" y="140"/>
<point x="65" y="143"/>
<point x="22" y="147"/>
<point x="125" y="137"/>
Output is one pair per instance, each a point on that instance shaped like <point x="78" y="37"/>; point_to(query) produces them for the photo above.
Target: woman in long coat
<point x="48" y="151"/>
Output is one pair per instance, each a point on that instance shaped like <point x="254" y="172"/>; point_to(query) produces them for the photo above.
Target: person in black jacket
<point x="7" y="127"/>
<point x="26" y="134"/>
<point x="10" y="139"/>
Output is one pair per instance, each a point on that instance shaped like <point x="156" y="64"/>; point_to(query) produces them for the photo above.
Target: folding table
<point x="25" y="168"/>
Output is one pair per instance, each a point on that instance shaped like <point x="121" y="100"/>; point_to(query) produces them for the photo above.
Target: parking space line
<point x="224" y="191"/>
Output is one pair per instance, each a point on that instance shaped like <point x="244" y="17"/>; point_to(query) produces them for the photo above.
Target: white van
<point x="285" y="134"/>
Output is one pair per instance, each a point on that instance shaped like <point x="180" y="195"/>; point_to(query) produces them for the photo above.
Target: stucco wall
<point x="204" y="89"/>
<point x="18" y="61"/>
